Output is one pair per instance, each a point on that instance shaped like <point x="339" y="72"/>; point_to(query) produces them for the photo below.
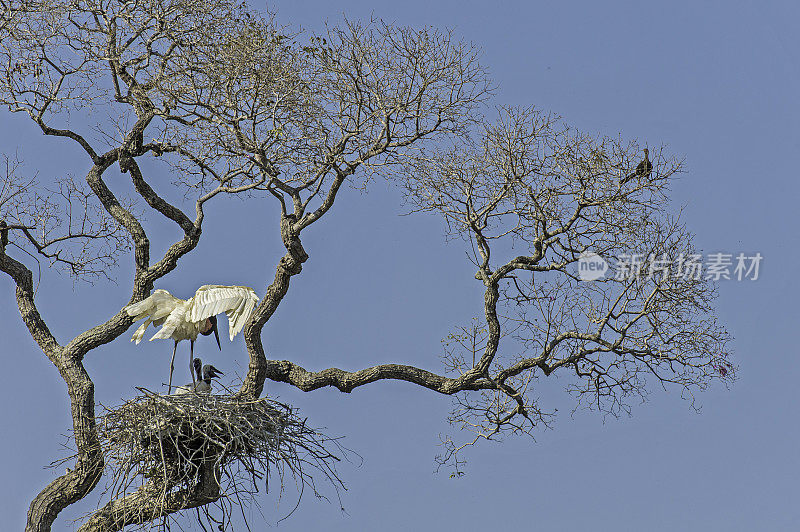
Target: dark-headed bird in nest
<point x="204" y="376"/>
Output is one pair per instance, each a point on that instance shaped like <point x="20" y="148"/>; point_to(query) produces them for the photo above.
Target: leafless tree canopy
<point x="228" y="103"/>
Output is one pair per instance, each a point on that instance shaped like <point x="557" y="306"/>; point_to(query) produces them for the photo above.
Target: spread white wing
<point x="237" y="302"/>
<point x="175" y="320"/>
<point x="156" y="308"/>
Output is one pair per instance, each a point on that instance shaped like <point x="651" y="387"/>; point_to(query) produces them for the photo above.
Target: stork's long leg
<point x="171" y="368"/>
<point x="191" y="362"/>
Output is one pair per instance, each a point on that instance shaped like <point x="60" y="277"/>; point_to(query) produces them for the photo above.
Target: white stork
<point x="185" y="319"/>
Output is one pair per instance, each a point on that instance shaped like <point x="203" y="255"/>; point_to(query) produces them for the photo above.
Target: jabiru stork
<point x="204" y="376"/>
<point x="181" y="319"/>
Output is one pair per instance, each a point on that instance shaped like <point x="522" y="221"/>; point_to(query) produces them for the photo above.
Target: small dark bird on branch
<point x="642" y="170"/>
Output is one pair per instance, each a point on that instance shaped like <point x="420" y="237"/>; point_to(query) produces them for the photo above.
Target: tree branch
<point x="152" y="501"/>
<point x="88" y="468"/>
<point x="345" y="381"/>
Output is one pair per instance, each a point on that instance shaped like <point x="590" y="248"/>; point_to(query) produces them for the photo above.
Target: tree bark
<point x="150" y="502"/>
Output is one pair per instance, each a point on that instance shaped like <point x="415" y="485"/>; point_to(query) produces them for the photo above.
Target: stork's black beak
<point x="214" y="372"/>
<point x="213" y="320"/>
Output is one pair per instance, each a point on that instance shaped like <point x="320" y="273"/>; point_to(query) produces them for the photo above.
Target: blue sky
<point x="718" y="85"/>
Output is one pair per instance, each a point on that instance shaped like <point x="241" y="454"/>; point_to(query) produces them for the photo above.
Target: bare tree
<point x="531" y="182"/>
<point x="231" y="104"/>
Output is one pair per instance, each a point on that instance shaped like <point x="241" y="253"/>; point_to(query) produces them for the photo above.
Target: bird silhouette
<point x="643" y="169"/>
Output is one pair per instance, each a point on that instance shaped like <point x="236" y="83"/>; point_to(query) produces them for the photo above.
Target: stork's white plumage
<point x="237" y="302"/>
<point x="184" y="319"/>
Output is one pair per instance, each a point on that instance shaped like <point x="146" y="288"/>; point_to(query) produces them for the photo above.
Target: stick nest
<point x="233" y="444"/>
